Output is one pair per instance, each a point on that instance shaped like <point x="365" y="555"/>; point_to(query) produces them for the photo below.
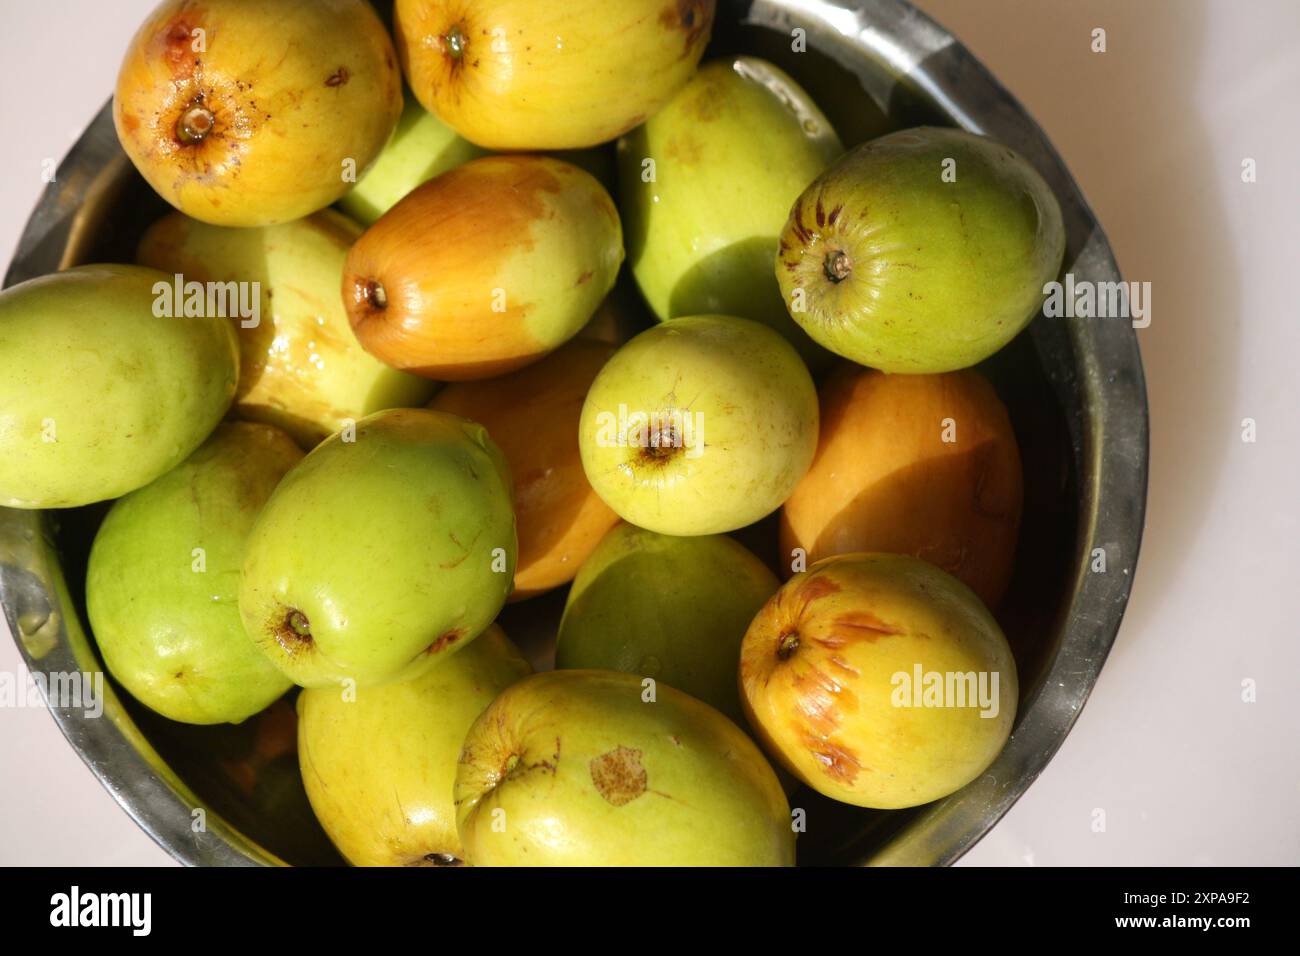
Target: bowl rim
<point x="1110" y="440"/>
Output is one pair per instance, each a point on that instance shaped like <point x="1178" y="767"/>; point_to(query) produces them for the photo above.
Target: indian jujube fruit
<point x="925" y="250"/>
<point x="484" y="269"/>
<point x="101" y="390"/>
<point x="301" y="367"/>
<point x="254" y="112"/>
<point x="532" y="415"/>
<point x="525" y="75"/>
<point x="925" y="465"/>
<point x="162" y="586"/>
<point x="839" y="672"/>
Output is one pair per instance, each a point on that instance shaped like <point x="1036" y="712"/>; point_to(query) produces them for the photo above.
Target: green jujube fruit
<point x="671" y="608"/>
<point x="382" y="550"/>
<point x="731" y="152"/>
<point x="584" y="768"/>
<point x="422" y="147"/>
<point x="923" y="251"/>
<point x="162" y="586"/>
<point x="99" y="393"/>
<point x="301" y="368"/>
<point x="699" y="425"/>
<point x="379" y="765"/>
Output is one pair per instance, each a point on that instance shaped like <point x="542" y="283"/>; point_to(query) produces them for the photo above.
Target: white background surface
<point x="1155" y="130"/>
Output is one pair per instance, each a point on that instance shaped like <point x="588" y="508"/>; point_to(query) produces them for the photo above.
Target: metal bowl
<point x="1074" y="388"/>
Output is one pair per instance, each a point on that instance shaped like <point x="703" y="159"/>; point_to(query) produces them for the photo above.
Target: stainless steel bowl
<point x="1074" y="388"/>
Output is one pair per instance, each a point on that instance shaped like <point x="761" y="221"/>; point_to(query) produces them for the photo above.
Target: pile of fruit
<point x="300" y="502"/>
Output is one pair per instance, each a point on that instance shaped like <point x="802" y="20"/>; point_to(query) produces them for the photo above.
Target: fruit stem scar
<point x="837" y="266"/>
<point x="371" y="292"/>
<point x="454" y="42"/>
<point x="786" y="645"/>
<point x="293" y="631"/>
<point x="194" y="125"/>
<point x="664" y="443"/>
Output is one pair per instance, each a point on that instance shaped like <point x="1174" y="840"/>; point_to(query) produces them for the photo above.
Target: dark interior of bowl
<point x="248" y="773"/>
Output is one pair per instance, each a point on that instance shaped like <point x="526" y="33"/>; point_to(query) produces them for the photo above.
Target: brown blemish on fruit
<point x="618" y="775"/>
<point x="841" y="664"/>
<point x="838" y="761"/>
<point x="816" y="587"/>
<point x="339" y="77"/>
<point x="692" y="17"/>
<point x="437" y="859"/>
<point x="684" y="149"/>
<point x="801" y="232"/>
<point x="584" y="278"/>
<point x="445" y="640"/>
<point x="820" y="702"/>
<point x="863" y="625"/>
<point x="177" y="45"/>
<point x="831" y="642"/>
<point x="821" y="699"/>
<point x="465" y="551"/>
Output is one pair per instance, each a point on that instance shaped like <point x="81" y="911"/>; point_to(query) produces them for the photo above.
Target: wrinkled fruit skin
<point x="485" y="269"/>
<point x="98" y="396"/>
<point x="422" y="147"/>
<point x="925" y="465"/>
<point x="674" y="609"/>
<point x="587" y="774"/>
<point x="379" y="770"/>
<point x="523" y="75"/>
<point x="733" y="425"/>
<point x="163" y="581"/>
<point x="888" y="265"/>
<point x="731" y="152"/>
<point x="376" y="557"/>
<point x="301" y="367"/>
<point x="532" y="415"/>
<point x="255" y="127"/>
<point x="822" y="664"/>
